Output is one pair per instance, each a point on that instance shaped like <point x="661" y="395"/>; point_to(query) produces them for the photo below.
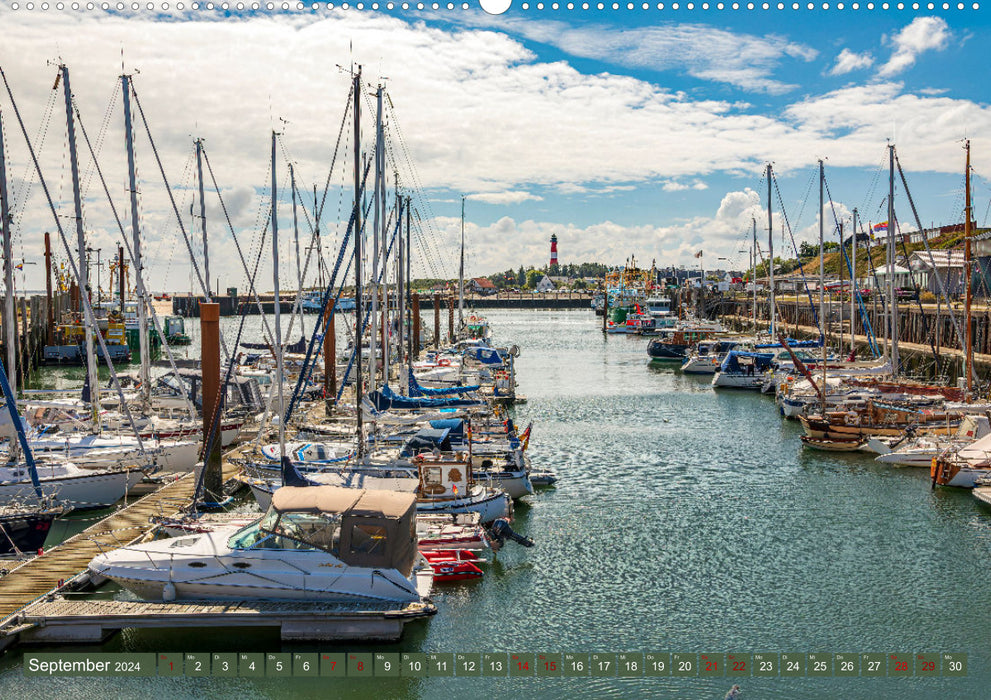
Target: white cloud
<point x="705" y="52"/>
<point x="923" y="34"/>
<point x="848" y="61"/>
<point x="674" y="186"/>
<point x="475" y="111"/>
<point x="722" y="234"/>
<point x="509" y="197"/>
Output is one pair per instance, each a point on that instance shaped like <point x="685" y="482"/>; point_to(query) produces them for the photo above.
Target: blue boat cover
<point x="487" y="356"/>
<point x="455" y="425"/>
<point x="731" y="363"/>
<point x="385" y="398"/>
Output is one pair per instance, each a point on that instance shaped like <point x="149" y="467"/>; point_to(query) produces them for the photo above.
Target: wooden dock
<point x="55" y="568"/>
<point x="92" y="621"/>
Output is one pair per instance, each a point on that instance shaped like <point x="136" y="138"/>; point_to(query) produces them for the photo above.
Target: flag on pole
<point x="698" y="254"/>
<point x="525" y="436"/>
<point x="883" y="226"/>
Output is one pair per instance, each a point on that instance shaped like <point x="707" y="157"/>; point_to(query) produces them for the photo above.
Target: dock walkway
<point x="49" y="572"/>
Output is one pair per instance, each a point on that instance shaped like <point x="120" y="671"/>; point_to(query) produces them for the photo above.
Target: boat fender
<point x="168" y="592"/>
<point x="501" y="531"/>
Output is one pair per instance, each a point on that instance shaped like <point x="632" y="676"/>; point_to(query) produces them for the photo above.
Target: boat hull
<point x="96" y="490"/>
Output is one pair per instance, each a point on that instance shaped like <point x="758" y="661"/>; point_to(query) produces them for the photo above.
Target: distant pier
<point x="241" y="305"/>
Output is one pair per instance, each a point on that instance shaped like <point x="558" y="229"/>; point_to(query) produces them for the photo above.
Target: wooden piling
<point x="415" y="340"/>
<point x="213" y="482"/>
<point x="436" y="320"/>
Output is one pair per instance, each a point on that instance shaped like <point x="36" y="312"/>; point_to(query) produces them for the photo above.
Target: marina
<point x="434" y="351"/>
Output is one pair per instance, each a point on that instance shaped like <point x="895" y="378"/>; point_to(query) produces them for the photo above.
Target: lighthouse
<point x="554" y="249"/>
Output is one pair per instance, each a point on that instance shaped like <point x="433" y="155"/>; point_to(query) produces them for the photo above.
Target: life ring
<point x="444" y="362"/>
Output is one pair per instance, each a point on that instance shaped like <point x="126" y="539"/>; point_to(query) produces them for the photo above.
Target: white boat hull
<point x="88" y="490"/>
<point x="203" y="567"/>
<point x="737" y="381"/>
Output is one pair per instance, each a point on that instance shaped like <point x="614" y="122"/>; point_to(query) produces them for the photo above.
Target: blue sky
<point x="623" y="132"/>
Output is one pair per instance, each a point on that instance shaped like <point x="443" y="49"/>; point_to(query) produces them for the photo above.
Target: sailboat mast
<point x="144" y="372"/>
<point x="81" y="244"/>
<point x="853" y="286"/>
<point x="358" y="394"/>
<point x="822" y="285"/>
<point x="968" y="272"/>
<point x="770" y="246"/>
<point x="9" y="319"/>
<point x="206" y="252"/>
<point x="385" y="277"/>
<point x="409" y="301"/>
<point x="753" y="274"/>
<point x="279" y="377"/>
<point x="893" y="302"/>
<point x="376" y="223"/>
<point x="461" y="270"/>
<point x="295" y="233"/>
<point x="400" y="287"/>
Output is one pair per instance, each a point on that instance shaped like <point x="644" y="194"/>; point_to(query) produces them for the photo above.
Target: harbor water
<point x="685" y="520"/>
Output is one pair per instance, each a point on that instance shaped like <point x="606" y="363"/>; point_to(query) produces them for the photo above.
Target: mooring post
<point x="436" y="320"/>
<point x="450" y="319"/>
<point x="213" y="479"/>
<point x="415" y="339"/>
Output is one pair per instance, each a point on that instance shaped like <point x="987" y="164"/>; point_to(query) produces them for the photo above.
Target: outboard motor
<point x="501" y="531"/>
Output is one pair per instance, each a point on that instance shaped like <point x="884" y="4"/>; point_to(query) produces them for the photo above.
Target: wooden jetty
<point x="92" y="621"/>
<point x="33" y="329"/>
<point x="64" y="567"/>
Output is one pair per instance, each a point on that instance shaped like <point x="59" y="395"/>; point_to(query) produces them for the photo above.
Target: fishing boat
<point x="322" y="543"/>
<point x="676" y="344"/>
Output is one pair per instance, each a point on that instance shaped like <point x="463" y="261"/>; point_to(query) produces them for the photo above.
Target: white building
<point x="545" y="284"/>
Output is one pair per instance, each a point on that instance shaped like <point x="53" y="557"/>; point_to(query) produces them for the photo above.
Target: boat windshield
<point x="298" y="531"/>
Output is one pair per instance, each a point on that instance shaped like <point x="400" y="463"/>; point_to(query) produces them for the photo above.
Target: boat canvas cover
<point x="416" y="390"/>
<point x="977" y="454"/>
<point x="455" y="425"/>
<point x="427" y="439"/>
<point x="487" y="356"/>
<point x="385" y="398"/>
<point x="377" y="527"/>
<point x="731" y="363"/>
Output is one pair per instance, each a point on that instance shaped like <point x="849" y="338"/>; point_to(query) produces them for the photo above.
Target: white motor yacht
<point x="320" y="543"/>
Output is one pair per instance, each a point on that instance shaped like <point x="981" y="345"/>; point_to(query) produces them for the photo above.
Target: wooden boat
<point x="832" y="445"/>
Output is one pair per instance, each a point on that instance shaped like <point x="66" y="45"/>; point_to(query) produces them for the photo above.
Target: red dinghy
<point x="453" y="564"/>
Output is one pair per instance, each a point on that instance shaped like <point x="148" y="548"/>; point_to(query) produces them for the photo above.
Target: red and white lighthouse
<point x="554" y="249"/>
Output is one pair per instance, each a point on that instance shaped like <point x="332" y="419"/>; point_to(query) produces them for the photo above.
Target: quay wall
<point x="237" y="305"/>
<point x="32" y="332"/>
<point x="920" y="331"/>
